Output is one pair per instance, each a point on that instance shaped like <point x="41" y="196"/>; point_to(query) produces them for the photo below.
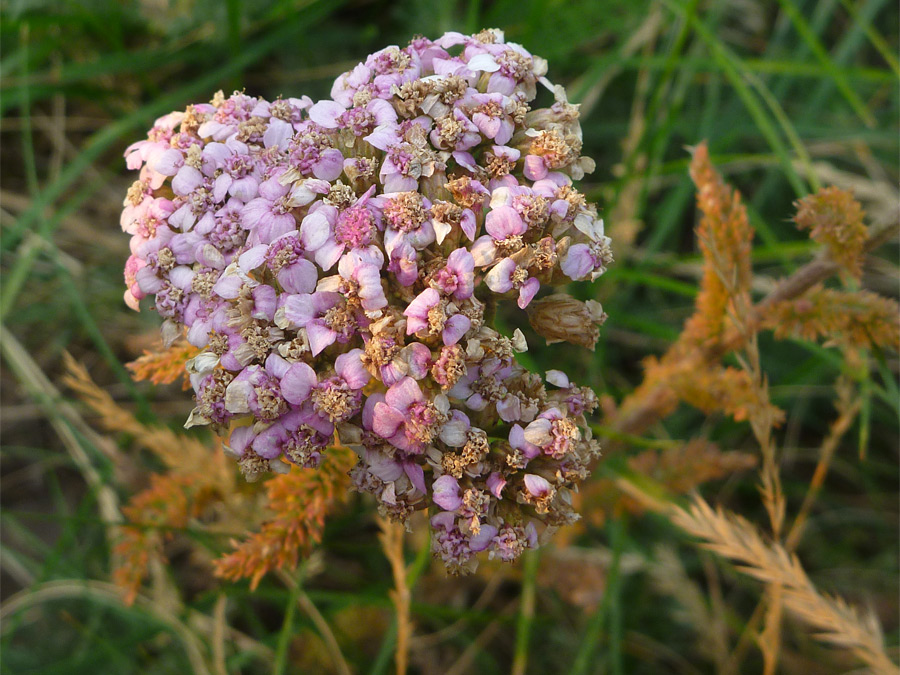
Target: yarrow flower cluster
<point x="338" y="264"/>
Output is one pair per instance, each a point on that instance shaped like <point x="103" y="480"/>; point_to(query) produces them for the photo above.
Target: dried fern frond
<point x="733" y="537"/>
<point x="835" y="219"/>
<point x="855" y="319"/>
<point x="300" y="501"/>
<point x="166" y="366"/>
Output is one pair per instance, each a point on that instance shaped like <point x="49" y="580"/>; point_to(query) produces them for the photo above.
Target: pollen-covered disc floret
<point x="338" y="262"/>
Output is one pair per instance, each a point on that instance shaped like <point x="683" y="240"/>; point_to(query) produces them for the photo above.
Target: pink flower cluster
<point x="338" y="263"/>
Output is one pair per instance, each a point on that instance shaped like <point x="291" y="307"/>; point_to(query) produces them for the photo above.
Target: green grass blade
<point x="287" y="630"/>
<point x="874" y="36"/>
<point x="593" y="632"/>
<point x="105" y="138"/>
<point x="27" y="138"/>
<point x="788" y="128"/>
<point x="731" y="66"/>
<point x="845" y="51"/>
<point x="15" y="279"/>
<point x="821" y="54"/>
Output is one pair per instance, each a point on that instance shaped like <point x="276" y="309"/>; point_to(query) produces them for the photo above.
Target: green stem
<point x="287" y="629"/>
<point x="531" y="560"/>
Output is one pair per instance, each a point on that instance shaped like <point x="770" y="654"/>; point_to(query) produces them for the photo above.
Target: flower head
<point x="333" y="261"/>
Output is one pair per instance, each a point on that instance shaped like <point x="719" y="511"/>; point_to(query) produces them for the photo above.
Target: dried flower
<point x="562" y="318"/>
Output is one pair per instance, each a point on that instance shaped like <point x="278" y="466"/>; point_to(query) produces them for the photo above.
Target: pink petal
<point x="350" y="367"/>
<point x="416" y="476"/>
<point x="503" y="222"/>
<point x="167" y="163"/>
<point x="501" y="84"/>
<point x="228" y="286"/>
<point x="299" y="309"/>
<point x="314" y="230"/>
<point x="455" y="328"/>
<point x="517" y="440"/>
<point x="268" y="443"/>
<point x="504" y="134"/>
<point x="499" y="278"/>
<point x="272" y="189"/>
<point x="467" y="224"/>
<point x="496" y="482"/>
<point x="186" y="180"/>
<point x="368" y="413"/>
<point x="535" y="168"/>
<point x="297" y="382"/>
<point x="265" y="300"/>
<point x="240" y="439"/>
<point x="300" y="277"/>
<point x="417" y="311"/>
<point x="404" y="394"/>
<point x="383" y="137"/>
<point x="483" y="62"/>
<point x="446" y="493"/>
<point x="253" y="258"/>
<point x="276" y="365"/>
<point x="419" y="360"/>
<point x="254" y="211"/>
<point x="220" y="187"/>
<point x="509" y="408"/>
<point x="387" y="420"/>
<point x="383" y="111"/>
<point x="328" y="254"/>
<point x="330" y="165"/>
<point x="537" y="486"/>
<point x="278" y="134"/>
<point x="325" y="114"/>
<point x="244" y="189"/>
<point x="489" y="126"/>
<point x="484" y="251"/>
<point x="483" y="539"/>
<point x="538" y="432"/>
<point x="319" y="337"/>
<point x="527" y="292"/>
<point x="578" y="262"/>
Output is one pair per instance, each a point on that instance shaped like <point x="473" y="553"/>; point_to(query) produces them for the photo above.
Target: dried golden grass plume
<point x="179" y="452"/>
<point x="391" y="539"/>
<point x="165" y="366"/>
<point x="725" y="237"/>
<point x="694" y="609"/>
<point x="197" y="475"/>
<point x="835" y="219"/>
<point x="299" y="501"/>
<point x="856" y="319"/>
<point x="725" y="321"/>
<point x="153" y="515"/>
<point x="679" y="469"/>
<point x="733" y="537"/>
